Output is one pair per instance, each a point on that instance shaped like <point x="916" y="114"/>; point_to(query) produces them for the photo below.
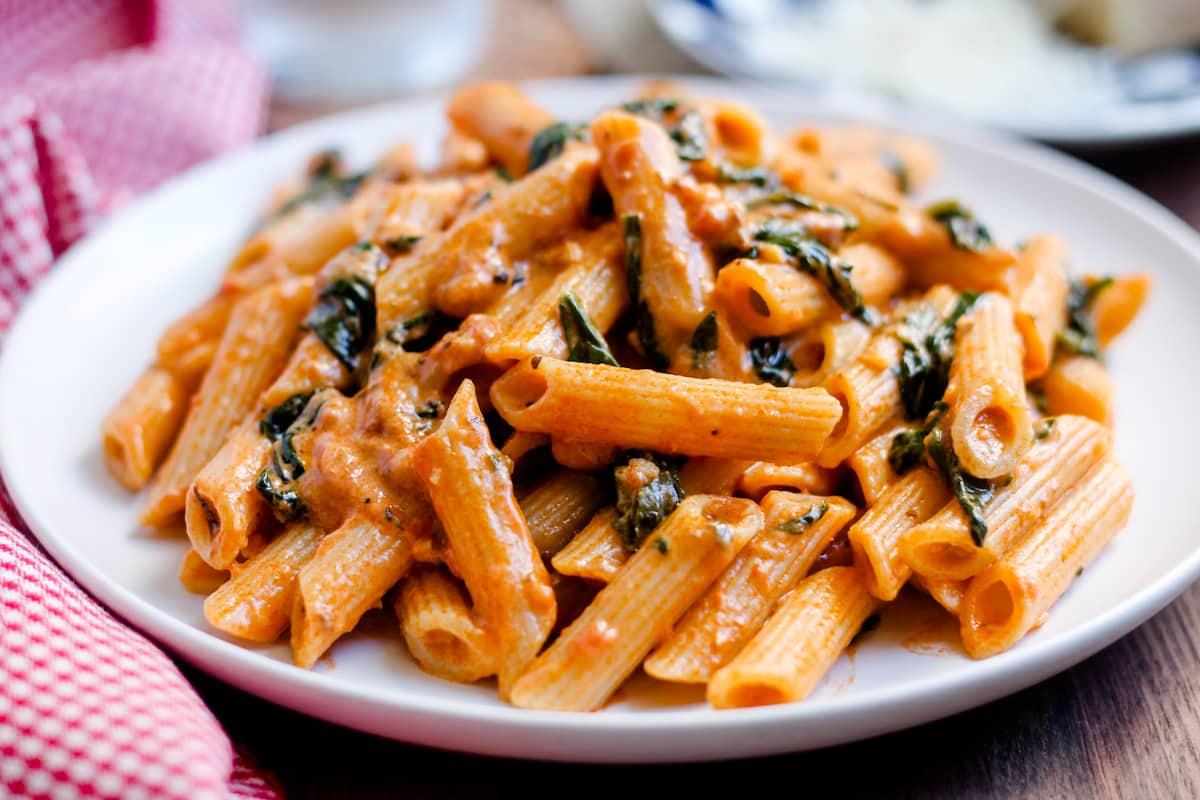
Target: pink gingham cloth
<point x="100" y="100"/>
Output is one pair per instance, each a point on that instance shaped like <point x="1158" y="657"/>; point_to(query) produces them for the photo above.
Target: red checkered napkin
<point x="99" y="100"/>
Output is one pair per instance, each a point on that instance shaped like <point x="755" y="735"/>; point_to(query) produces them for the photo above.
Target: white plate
<point x="1154" y="97"/>
<point x="90" y="328"/>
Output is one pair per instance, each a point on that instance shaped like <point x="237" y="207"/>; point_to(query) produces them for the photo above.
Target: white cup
<point x="355" y="50"/>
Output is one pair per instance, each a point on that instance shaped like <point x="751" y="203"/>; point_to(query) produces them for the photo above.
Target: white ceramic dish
<point x="1154" y="98"/>
<point x="90" y="328"/>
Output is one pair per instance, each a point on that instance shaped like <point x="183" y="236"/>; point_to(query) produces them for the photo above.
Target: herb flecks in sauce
<point x="973" y="494"/>
<point x="895" y="164"/>
<point x="908" y="447"/>
<point x="756" y="176"/>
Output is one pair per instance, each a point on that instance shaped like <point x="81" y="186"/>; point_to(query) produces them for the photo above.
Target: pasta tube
<point x="1040" y="301"/>
<point x="256" y="344"/>
<point x="797" y="529"/>
<point x="942" y="548"/>
<point x="875" y="538"/>
<point x="559" y="507"/>
<point x="669" y="413"/>
<point x="493" y="551"/>
<point x="605" y="644"/>
<point x="439" y="628"/>
<point x="349" y="573"/>
<point x="798" y="644"/>
<point x="990" y="426"/>
<point x="1007" y="600"/>
<point x="256" y="604"/>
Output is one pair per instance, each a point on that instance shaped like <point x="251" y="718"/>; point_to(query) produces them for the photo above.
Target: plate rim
<point x="282" y="683"/>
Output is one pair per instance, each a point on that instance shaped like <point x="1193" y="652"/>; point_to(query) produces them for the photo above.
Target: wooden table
<point x="1125" y="723"/>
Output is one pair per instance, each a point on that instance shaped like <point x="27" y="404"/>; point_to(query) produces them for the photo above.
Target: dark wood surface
<point x="1124" y="723"/>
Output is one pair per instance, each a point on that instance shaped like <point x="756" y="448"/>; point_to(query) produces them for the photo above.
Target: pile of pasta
<point x="662" y="390"/>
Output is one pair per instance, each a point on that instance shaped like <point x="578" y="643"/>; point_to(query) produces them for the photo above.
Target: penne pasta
<point x="1080" y="385"/>
<point x="494" y="553"/>
<point x="198" y="577"/>
<point x="673" y="275"/>
<point x="1115" y="307"/>
<point x="797" y="528"/>
<point x="820" y="352"/>
<point x="798" y="644"/>
<point x="256" y="604"/>
<point x="439" y="627"/>
<point x="671" y="414"/>
<point x="139" y="430"/>
<point x="1007" y="600"/>
<point x="747" y="385"/>
<point x="596" y="553"/>
<point x="1040" y="301"/>
<point x="871" y="466"/>
<point x="348" y="574"/>
<point x="560" y="506"/>
<point x="876" y="536"/>
<point x="255" y="345"/>
<point x="990" y="426"/>
<point x="943" y="548"/>
<point x="587" y="662"/>
<point x="502" y="118"/>
<point x="762" y="477"/>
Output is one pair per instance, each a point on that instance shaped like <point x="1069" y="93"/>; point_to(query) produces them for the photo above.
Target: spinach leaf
<point x="643" y="321"/>
<point x="771" y="363"/>
<point x="584" y="343"/>
<point x="326" y="183"/>
<point x="688" y="133"/>
<point x="280" y="418"/>
<point x="966" y="232"/>
<point x="704" y="341"/>
<point x="757" y="176"/>
<point x="280" y="495"/>
<point x="550" y="141"/>
<point x="814" y="259"/>
<point x="783" y="197"/>
<point x="928" y="349"/>
<point x="344" y="318"/>
<point x="402" y="244"/>
<point x="800" y="524"/>
<point x="973" y="493"/>
<point x="648" y="490"/>
<point x="276" y="481"/>
<point x="908" y="447"/>
<point x="1079" y="336"/>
